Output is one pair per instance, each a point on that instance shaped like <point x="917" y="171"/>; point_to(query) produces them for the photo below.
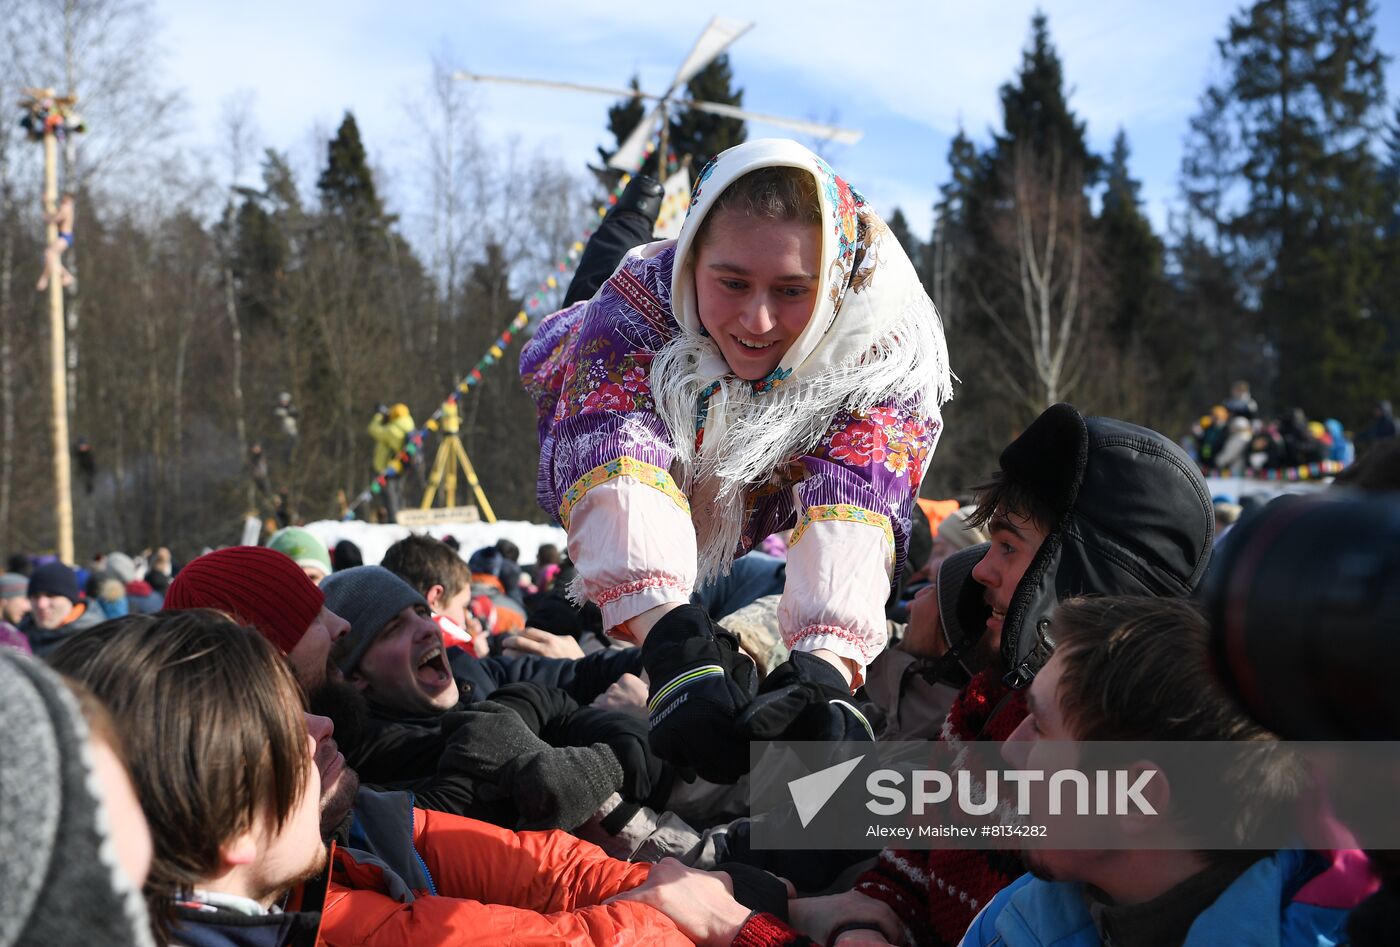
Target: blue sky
<point x="907" y="73"/>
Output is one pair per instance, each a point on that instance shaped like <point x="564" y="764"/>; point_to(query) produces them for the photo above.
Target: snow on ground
<point x="1232" y="489"/>
<point x="374" y="538"/>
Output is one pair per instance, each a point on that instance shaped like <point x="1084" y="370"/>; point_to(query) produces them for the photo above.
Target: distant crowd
<point x="1234" y="439"/>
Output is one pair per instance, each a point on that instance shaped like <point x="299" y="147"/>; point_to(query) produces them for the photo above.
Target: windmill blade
<point x="844" y="136"/>
<point x="464" y="76"/>
<point x="716" y="38"/>
<point x="629" y="154"/>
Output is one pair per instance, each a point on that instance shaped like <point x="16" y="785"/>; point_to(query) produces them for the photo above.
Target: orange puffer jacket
<point x="489" y="885"/>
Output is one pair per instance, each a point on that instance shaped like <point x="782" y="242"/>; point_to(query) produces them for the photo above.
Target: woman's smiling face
<point x="756" y="282"/>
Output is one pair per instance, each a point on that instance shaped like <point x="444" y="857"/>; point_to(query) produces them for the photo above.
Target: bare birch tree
<point x="1045" y="254"/>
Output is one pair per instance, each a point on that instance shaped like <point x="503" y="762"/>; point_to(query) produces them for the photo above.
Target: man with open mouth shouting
<point x="424" y="723"/>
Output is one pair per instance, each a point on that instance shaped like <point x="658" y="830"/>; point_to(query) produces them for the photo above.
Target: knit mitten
<point x="561" y="787"/>
<point x="553" y="787"/>
<point x="646" y="777"/>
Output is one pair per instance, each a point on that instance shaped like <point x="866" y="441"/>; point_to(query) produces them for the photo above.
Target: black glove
<point x="545" y="710"/>
<point x="642" y="195"/>
<point x="700" y="681"/>
<point x="646" y="777"/>
<point x="628" y="224"/>
<point x="805" y="698"/>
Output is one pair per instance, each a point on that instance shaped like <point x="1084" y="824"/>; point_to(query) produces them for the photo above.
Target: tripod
<point x="451" y="455"/>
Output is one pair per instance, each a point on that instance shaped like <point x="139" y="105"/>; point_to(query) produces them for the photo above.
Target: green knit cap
<point x="302" y="546"/>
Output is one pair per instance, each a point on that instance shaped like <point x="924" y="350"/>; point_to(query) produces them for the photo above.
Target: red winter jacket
<point x="489" y="885"/>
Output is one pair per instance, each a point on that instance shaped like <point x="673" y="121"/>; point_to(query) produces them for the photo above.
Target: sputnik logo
<point x="810" y="793"/>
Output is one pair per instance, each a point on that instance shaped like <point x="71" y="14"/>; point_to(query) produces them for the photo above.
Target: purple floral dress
<point x="587" y="368"/>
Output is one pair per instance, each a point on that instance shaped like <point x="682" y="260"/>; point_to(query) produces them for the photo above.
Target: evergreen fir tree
<point x="899" y="229"/>
<point x="1132" y="252"/>
<point x="1042" y="149"/>
<point x="939" y="263"/>
<point x="623" y="117"/>
<point x="346" y="183"/>
<point x="1305" y="88"/>
<point x="1036" y="112"/>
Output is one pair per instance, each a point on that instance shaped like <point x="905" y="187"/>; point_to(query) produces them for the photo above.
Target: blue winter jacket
<point x="1267" y="906"/>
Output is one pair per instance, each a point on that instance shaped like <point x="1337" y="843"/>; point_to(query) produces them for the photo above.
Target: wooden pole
<point x="662" y="168"/>
<point x="58" y="382"/>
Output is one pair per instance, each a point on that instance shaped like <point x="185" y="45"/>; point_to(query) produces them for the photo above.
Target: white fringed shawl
<point x="874" y="338"/>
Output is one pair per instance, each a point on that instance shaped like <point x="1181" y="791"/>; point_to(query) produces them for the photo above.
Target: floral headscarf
<point x="873" y="336"/>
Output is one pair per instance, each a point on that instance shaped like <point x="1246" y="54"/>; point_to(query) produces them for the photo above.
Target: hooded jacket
<point x="389" y="436"/>
<point x="45" y="640"/>
<point x="1132" y="517"/>
<point x="297" y="924"/>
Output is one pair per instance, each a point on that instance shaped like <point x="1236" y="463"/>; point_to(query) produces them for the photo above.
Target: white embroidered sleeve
<point x="631" y="538"/>
<point x="838" y="576"/>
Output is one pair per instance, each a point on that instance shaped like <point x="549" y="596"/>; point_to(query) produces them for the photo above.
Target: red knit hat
<point x="258" y="586"/>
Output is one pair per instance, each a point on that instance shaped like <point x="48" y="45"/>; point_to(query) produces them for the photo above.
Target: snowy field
<point x="1232" y="488"/>
<point x="373" y="538"/>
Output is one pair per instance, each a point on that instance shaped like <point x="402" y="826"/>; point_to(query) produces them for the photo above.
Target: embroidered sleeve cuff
<point x="636" y="471"/>
<point x="838" y="577"/>
<point x="634" y="546"/>
<point x="630" y="599"/>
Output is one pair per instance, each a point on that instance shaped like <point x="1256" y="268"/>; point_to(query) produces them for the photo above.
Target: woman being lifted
<point x="777" y="366"/>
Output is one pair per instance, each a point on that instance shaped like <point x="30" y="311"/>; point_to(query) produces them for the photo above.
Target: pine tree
<point x="899" y="229"/>
<point x="1031" y="184"/>
<point x="1133" y="254"/>
<point x="1036" y="113"/>
<point x="1384" y="301"/>
<point x="1303" y="93"/>
<point x="623" y="117"/>
<point x="940" y="263"/>
<point x="347" y="184"/>
<point x="498" y="408"/>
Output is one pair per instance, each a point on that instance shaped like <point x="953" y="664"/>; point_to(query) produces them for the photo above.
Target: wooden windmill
<point x="714" y="40"/>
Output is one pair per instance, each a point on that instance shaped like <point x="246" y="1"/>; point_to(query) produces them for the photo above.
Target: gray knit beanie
<point x="59" y="878"/>
<point x="368" y="597"/>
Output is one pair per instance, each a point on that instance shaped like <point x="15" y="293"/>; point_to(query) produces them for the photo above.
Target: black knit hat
<point x="54" y="579"/>
<point x="1133" y="517"/>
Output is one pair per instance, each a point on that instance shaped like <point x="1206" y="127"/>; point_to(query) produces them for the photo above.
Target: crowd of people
<point x="1234" y="439"/>
<point x="286" y="745"/>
